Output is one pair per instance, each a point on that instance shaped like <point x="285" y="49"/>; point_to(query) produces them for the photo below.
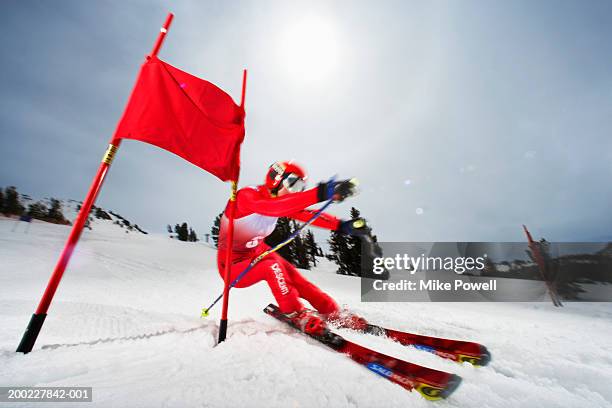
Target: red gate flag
<point x="187" y="116"/>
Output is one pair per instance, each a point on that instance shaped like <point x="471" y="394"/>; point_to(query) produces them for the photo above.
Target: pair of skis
<point x="430" y="383"/>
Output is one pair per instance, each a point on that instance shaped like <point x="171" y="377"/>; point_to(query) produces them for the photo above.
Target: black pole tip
<point x="222" y="330"/>
<point x="31" y="333"/>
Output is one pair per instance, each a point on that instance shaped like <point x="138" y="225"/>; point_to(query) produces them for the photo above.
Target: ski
<point x="455" y="350"/>
<point x="430" y="383"/>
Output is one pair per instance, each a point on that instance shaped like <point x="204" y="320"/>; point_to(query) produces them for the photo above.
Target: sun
<point x="309" y="49"/>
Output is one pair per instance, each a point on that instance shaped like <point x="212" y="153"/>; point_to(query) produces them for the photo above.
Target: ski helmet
<point x="286" y="174"/>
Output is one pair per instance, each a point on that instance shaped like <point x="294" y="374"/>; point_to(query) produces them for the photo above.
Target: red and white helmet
<point x="286" y="174"/>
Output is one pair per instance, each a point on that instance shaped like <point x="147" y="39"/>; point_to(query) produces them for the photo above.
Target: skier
<point x="257" y="209"/>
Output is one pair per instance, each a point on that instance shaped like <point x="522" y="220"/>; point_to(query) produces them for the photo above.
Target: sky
<point x="462" y="120"/>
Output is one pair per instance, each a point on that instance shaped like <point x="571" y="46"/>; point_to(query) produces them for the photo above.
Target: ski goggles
<point x="294" y="183"/>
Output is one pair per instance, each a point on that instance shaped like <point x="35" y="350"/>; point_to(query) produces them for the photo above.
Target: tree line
<point x="182" y="232"/>
<point x="13" y="203"/>
<point x="303" y="251"/>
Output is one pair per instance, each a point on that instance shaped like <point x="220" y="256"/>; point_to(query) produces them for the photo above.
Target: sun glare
<point x="309" y="49"/>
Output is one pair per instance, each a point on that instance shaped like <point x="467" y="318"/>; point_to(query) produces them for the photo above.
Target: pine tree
<point x="214" y="231"/>
<point x="351" y="256"/>
<point x="300" y="252"/>
<point x="343" y="253"/>
<point x="192" y="235"/>
<point x="38" y="210"/>
<point x="55" y="212"/>
<point x="280" y="233"/>
<point x="182" y="232"/>
<point x="12" y="205"/>
<point x="312" y="248"/>
<point x="1" y="201"/>
<point x="185" y="232"/>
<point x="180" y="235"/>
<point x="337" y="246"/>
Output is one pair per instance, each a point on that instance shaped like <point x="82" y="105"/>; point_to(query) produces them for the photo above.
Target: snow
<point x="125" y="321"/>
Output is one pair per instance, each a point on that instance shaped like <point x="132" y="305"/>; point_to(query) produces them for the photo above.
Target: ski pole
<point x="267" y="252"/>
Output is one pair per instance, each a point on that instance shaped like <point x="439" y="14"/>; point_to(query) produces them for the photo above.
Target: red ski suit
<point x="256" y="214"/>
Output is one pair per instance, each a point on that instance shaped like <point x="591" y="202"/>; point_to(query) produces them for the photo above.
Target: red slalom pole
<point x="162" y="35"/>
<point x="542" y="266"/>
<point x="77" y="228"/>
<point x="231" y="210"/>
<point x="243" y="95"/>
<point x="38" y="318"/>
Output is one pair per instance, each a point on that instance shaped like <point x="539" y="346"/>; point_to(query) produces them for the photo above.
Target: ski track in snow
<point x="125" y="320"/>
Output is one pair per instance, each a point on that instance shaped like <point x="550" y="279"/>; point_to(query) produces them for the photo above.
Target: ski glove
<point x="337" y="190"/>
<point x="354" y="227"/>
<point x="357" y="227"/>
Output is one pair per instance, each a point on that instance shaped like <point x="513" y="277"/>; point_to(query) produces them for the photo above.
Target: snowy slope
<point x="126" y="321"/>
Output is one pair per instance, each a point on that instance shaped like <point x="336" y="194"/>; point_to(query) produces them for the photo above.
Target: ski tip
<point x="485" y="356"/>
<point x="451" y="386"/>
<point x="434" y="393"/>
<point x="480" y="360"/>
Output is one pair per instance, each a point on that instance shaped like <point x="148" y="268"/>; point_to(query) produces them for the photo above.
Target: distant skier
<point x="257" y="209"/>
